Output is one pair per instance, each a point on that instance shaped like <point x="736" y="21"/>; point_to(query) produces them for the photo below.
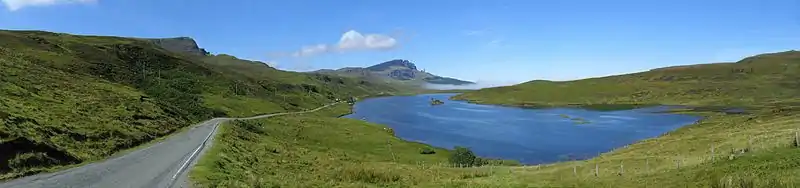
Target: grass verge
<point x="320" y="150"/>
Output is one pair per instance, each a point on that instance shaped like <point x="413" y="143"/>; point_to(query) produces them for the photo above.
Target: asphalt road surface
<point x="160" y="165"/>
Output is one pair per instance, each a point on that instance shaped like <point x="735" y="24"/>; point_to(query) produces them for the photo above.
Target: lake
<point x="531" y="136"/>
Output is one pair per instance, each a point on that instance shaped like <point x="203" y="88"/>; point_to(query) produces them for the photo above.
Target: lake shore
<point x="422" y="124"/>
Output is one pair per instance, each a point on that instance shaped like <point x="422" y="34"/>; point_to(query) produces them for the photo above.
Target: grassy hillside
<point x="768" y="79"/>
<point x="67" y="99"/>
<point x="723" y="150"/>
<point x="321" y="150"/>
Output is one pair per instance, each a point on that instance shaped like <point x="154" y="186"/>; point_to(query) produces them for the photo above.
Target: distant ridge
<point x="397" y="70"/>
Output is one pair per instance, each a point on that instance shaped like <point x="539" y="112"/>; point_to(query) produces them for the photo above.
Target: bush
<point x="427" y="151"/>
<point x="462" y="157"/>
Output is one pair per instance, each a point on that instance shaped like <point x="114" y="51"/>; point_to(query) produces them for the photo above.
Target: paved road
<point x="163" y="164"/>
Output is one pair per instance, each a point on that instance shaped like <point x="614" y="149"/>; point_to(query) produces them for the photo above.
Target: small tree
<point x="462" y="157"/>
<point x="427" y="151"/>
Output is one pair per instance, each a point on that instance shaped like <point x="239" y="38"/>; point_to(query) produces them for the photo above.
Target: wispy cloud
<point x="311" y="50"/>
<point x="478" y="85"/>
<point x="350" y="41"/>
<point x="474" y="32"/>
<point x="14" y="5"/>
<point x="483" y="34"/>
<point x="495" y="42"/>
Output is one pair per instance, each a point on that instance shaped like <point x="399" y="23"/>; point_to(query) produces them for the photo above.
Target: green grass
<point x="317" y="150"/>
<point x="682" y="158"/>
<point x="68" y="99"/>
<point x="763" y="80"/>
<point x="320" y="150"/>
<point x="766" y="85"/>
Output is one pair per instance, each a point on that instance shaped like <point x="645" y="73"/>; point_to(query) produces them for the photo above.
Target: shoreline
<point x="670" y="109"/>
<point x="352" y="107"/>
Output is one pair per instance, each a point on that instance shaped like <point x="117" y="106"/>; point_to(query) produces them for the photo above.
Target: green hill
<point x="767" y="79"/>
<point x="758" y="148"/>
<point x="753" y="149"/>
<point x="67" y="99"/>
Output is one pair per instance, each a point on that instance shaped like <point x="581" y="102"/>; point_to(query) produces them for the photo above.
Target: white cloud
<point x="311" y="50"/>
<point x="354" y="40"/>
<point x="350" y="41"/>
<point x="14" y="5"/>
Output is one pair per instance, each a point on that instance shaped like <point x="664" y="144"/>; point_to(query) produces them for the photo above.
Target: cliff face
<point x="393" y="63"/>
<point x="181" y="45"/>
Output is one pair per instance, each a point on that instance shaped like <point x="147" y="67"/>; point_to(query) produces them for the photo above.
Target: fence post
<point x="596" y="170"/>
<point x="712" y="152"/>
<point x="621" y="169"/>
<point x="797" y="139"/>
<point x="575" y="171"/>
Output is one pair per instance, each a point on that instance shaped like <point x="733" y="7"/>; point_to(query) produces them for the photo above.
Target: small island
<point x="577" y="120"/>
<point x="436" y="102"/>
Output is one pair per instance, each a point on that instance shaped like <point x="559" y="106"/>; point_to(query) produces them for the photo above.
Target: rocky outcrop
<point x="403" y="74"/>
<point x="393" y="63"/>
<point x="180" y="45"/>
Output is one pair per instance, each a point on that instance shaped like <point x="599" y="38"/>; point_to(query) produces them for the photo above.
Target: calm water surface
<point x="531" y="136"/>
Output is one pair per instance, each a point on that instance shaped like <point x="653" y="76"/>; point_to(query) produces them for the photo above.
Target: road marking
<point x="188" y="160"/>
<point x="195" y="152"/>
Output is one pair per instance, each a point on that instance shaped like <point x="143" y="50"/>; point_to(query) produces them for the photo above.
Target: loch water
<point x="531" y="136"/>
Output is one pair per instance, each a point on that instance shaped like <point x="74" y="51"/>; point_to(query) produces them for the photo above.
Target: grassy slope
<point x="767" y="85"/>
<point x="758" y="80"/>
<point x="67" y="99"/>
<point x="321" y="150"/>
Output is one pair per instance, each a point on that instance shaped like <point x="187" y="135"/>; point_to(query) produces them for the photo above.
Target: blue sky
<point x="501" y="41"/>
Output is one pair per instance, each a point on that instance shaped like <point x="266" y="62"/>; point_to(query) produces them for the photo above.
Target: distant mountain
<point x="395" y="71"/>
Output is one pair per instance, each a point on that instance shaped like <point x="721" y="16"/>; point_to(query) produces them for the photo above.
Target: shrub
<point x="370" y="175"/>
<point x="462" y="157"/>
<point x="427" y="151"/>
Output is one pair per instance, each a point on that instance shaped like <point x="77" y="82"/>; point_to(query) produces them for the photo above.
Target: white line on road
<point x="195" y="152"/>
<point x="189" y="160"/>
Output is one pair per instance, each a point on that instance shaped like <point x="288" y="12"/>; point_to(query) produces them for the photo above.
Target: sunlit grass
<point x="67" y="99"/>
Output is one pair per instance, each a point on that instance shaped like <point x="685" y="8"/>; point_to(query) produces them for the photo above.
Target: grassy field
<point x="68" y="99"/>
<point x="753" y="149"/>
<point x="321" y="150"/>
<point x="763" y="80"/>
<point x="318" y="150"/>
<point x="746" y="148"/>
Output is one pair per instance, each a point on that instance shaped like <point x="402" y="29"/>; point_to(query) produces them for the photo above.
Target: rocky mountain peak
<point x="393" y="63"/>
<point x="180" y="45"/>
